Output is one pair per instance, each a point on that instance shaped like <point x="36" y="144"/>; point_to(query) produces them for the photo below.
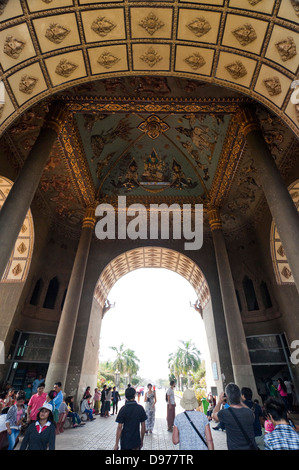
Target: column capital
<point x="55" y="117"/>
<point x="214" y="218"/>
<point x="248" y="119"/>
<point x="89" y="219"/>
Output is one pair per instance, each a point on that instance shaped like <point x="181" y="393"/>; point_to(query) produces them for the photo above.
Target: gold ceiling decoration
<point x="153" y="126"/>
<point x="195" y="40"/>
<point x="154" y="257"/>
<point x="151" y="23"/>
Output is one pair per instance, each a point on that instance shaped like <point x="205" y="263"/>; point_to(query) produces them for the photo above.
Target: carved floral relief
<point x="13" y="47"/>
<point x="56" y="33"/>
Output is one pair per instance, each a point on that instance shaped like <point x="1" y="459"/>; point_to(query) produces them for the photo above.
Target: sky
<point x="152" y="314"/>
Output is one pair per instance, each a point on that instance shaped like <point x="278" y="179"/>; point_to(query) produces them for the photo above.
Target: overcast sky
<point x="152" y="313"/>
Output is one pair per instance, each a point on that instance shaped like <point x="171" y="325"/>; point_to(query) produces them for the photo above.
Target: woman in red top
<point x="282" y="389"/>
<point x="41" y="434"/>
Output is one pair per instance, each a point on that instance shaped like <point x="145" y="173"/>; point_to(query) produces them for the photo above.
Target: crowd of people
<point x="40" y="416"/>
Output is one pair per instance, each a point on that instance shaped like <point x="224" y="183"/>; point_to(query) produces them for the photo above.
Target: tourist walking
<point x="40" y="435"/>
<point x="191" y="428"/>
<point x="283" y="437"/>
<point x="115" y="399"/>
<point x="14" y="420"/>
<point x="103" y="393"/>
<point x="238" y="419"/>
<point x="150" y="399"/>
<point x="131" y="423"/>
<point x="108" y="397"/>
<point x="170" y="405"/>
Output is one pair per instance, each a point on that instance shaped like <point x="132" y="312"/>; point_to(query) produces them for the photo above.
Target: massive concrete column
<point x="60" y="357"/>
<point x="280" y="203"/>
<point x="241" y="364"/>
<point x="17" y="203"/>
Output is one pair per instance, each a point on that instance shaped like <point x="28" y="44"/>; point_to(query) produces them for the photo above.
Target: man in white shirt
<point x="170" y="405"/>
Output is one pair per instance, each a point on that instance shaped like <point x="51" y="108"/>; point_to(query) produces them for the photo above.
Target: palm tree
<point x="131" y="361"/>
<point x="120" y="361"/>
<point x="189" y="357"/>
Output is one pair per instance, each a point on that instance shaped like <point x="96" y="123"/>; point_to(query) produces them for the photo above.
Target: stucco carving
<point x="65" y="68"/>
<point x="195" y="61"/>
<point x="27" y="84"/>
<point x="273" y="85"/>
<point x="56" y="33"/>
<point x="151" y="23"/>
<point x="245" y="34"/>
<point x="102" y="26"/>
<point x="200" y="26"/>
<point x="236" y="69"/>
<point x="286" y="48"/>
<point x="107" y="60"/>
<point x="13" y="47"/>
<point x="151" y="57"/>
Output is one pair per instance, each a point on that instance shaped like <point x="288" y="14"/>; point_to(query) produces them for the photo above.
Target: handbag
<point x="192" y="424"/>
<point x="252" y="446"/>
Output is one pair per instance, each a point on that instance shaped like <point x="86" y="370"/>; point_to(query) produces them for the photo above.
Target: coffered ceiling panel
<point x="27" y="83"/>
<point x="243" y="32"/>
<point x="108" y="58"/>
<point x="40" y="5"/>
<point x="56" y="32"/>
<point x="16" y="46"/>
<point x="146" y="23"/>
<point x="64" y="68"/>
<point x="231" y="43"/>
<point x="198" y="26"/>
<point x="259" y="6"/>
<point x="104" y="24"/>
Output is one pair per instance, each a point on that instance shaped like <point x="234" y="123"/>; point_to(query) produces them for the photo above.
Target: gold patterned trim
<point x="89" y="218"/>
<point x="214" y="218"/>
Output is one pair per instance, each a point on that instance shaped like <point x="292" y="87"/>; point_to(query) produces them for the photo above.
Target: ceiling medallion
<point x="107" y="60"/>
<point x="27" y="84"/>
<point x="151" y="23"/>
<point x="102" y="26"/>
<point x="273" y="85"/>
<point x="286" y="48"/>
<point x="56" y="33"/>
<point x="199" y="26"/>
<point x="151" y="57"/>
<point x="245" y="34"/>
<point x="13" y="47"/>
<point x="236" y="69"/>
<point x="153" y="126"/>
<point x="65" y="68"/>
<point x="195" y="61"/>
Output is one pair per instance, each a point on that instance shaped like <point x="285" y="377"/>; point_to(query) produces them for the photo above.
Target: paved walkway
<point x="100" y="433"/>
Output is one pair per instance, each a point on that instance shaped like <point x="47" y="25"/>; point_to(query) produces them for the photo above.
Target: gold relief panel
<point x="244" y="33"/>
<point x="262" y="6"/>
<point x="273" y="85"/>
<point x="55" y="32"/>
<point x="151" y="23"/>
<point x="15" y="46"/>
<point x="202" y="26"/>
<point x="283" y="48"/>
<point x="235" y="68"/>
<point x="40" y="5"/>
<point x="194" y="60"/>
<point x="108" y="59"/>
<point x="104" y="25"/>
<point x="151" y="56"/>
<point x="27" y="83"/>
<point x="66" y="67"/>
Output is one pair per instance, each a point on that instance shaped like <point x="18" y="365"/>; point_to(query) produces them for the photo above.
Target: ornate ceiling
<point x="245" y="45"/>
<point x="153" y="92"/>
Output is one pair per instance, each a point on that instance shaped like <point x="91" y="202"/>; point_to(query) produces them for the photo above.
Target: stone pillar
<point x="60" y="357"/>
<point x="241" y="364"/>
<point x="280" y="203"/>
<point x="18" y="201"/>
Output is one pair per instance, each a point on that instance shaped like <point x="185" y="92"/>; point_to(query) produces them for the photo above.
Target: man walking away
<point x="131" y="423"/>
<point x="170" y="405"/>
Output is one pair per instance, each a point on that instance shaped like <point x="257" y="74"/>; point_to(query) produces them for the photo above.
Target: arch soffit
<point x="19" y="263"/>
<point x="50" y="46"/>
<point x="280" y="262"/>
<point x="151" y="257"/>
